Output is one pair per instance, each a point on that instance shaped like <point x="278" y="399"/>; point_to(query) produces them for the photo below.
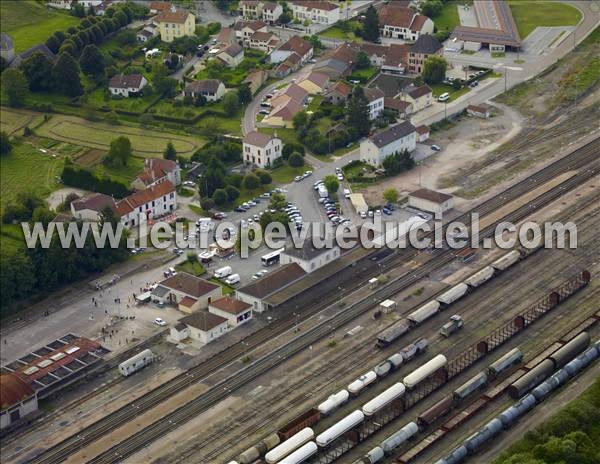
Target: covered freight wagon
<point x="531" y="379"/>
<point x="436" y="411"/>
<point x="383" y="399"/>
<point x="470" y="386"/>
<point x="392" y="333"/>
<point x="507" y="260"/>
<point x="456" y="292"/>
<point x="514" y="356"/>
<point x="424" y="312"/>
<point x="137" y="362"/>
<point x="427" y="369"/>
<point x="480" y="277"/>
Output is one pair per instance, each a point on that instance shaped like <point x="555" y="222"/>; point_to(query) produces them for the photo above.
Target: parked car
<point x="298" y="178"/>
<point x="160" y="322"/>
<point x="239" y="209"/>
<point x="386" y="211"/>
<point x="435" y="147"/>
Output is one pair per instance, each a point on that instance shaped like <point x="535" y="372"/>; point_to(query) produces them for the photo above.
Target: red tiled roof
<point x="342" y="88"/>
<point x="178" y="16"/>
<point x="230" y="305"/>
<point x="160" y="6"/>
<point x="189" y="284"/>
<point x="418" y="23"/>
<point x="203" y="320"/>
<point x="396" y="16"/>
<point x="297" y="44"/>
<point x="316" y="5"/>
<point x="422" y="130"/>
<point x="395" y="104"/>
<point x="12" y="390"/>
<point x="95" y="202"/>
<point x="130" y="203"/>
<point x="188" y="301"/>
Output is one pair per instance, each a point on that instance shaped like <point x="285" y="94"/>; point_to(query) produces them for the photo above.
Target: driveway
<point x="180" y="73"/>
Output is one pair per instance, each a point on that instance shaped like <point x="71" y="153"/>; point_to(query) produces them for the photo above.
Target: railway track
<point x="580" y="158"/>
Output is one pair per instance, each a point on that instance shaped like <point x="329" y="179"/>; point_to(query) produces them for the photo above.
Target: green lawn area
<point x="27" y="168"/>
<point x="285" y="174"/>
<point x="363" y="75"/>
<point x="194" y="268"/>
<point x="29" y="22"/>
<point x="286" y="135"/>
<point x="227" y="289"/>
<point x="448" y="19"/>
<point x="315" y="103"/>
<point x="529" y="15"/>
<point x="98" y="99"/>
<point x="12" y="120"/>
<point x="340" y="32"/>
<point x="124" y="174"/>
<point x="11" y="239"/>
<point x="439" y="89"/>
<point x="233" y="77"/>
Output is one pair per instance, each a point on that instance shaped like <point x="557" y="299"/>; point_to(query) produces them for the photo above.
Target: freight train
<point x="446" y="299"/>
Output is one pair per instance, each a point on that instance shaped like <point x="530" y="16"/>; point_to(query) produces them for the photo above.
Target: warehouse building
<point x="17" y="400"/>
<point x="187" y="292"/>
<point x="257" y="292"/>
<point x="308" y="257"/>
<point x="430" y="201"/>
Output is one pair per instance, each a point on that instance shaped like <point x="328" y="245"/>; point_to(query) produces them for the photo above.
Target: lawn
<point x="99" y="99"/>
<point x="439" y="89"/>
<point x="363" y="75"/>
<point x="99" y="135"/>
<point x="194" y="268"/>
<point x="448" y="19"/>
<point x="528" y="17"/>
<point x="124" y="174"/>
<point x="285" y="174"/>
<point x="12" y="120"/>
<point x="29" y="22"/>
<point x="285" y="134"/>
<point x="27" y="168"/>
<point x="344" y="33"/>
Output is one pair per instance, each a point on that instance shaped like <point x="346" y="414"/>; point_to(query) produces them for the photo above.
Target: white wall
<point x="370" y="153"/>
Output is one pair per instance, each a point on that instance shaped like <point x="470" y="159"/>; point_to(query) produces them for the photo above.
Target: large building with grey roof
<point x="309" y="257"/>
<point x="379" y="146"/>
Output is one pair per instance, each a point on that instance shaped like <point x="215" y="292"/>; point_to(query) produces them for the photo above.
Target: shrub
<point x="296" y="160"/>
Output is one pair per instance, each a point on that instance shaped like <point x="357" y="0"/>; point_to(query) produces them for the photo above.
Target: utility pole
<point x="505" y="78"/>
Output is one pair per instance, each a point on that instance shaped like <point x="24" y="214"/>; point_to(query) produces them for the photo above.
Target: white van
<point x="346" y="193"/>
<point x="232" y="279"/>
<point x="223" y="272"/>
<point x="444" y="97"/>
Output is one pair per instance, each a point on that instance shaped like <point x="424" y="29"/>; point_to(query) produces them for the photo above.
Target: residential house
<point x="255" y="79"/>
<point x="482" y="110"/>
<point x="319" y="12"/>
<point x="174" y="23"/>
<point x="380" y="145"/>
<point x="426" y="46"/>
<point x="127" y="85"/>
<point x="291" y="64"/>
<point x="308" y="257"/>
<point x="401" y="107"/>
<point x="422" y="133"/>
<point x="89" y="207"/>
<point x="294" y="44"/>
<point x="245" y="29"/>
<point x="314" y="83"/>
<point x="261" y="149"/>
<point x="263" y="41"/>
<point x="201" y="326"/>
<point x="430" y="201"/>
<point x="40" y="48"/>
<point x="419" y="97"/>
<point x="396" y="60"/>
<point x="375" y="98"/>
<point x="338" y="62"/>
<point x="189" y="293"/>
<point x="232" y="56"/>
<point x="267" y="11"/>
<point x="293" y="92"/>
<point x="147" y="33"/>
<point x="376" y="53"/>
<point x="60" y="4"/>
<point x="157" y="170"/>
<point x="195" y="172"/>
<point x="226" y="37"/>
<point x="339" y="93"/>
<point x="7" y="47"/>
<point x="235" y="311"/>
<point x="403" y="23"/>
<point x="211" y="89"/>
<point x="255" y="293"/>
<point x="271" y="11"/>
<point x="148" y="204"/>
<point x="283" y="114"/>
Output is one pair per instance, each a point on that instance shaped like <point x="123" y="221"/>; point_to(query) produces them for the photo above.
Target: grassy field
<point x="194" y="268"/>
<point x="29" y="22"/>
<point x="27" y="168"/>
<point x="448" y="19"/>
<point x="439" y="89"/>
<point x="528" y="17"/>
<point x="12" y="120"/>
<point x="285" y="174"/>
<point x="98" y="135"/>
<point x="363" y="75"/>
<point x="339" y="33"/>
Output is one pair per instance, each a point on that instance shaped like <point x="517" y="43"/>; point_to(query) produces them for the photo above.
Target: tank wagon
<point x="426" y="370"/>
<point x="362" y="382"/>
<point x="301" y="454"/>
<point x="137" y="362"/>
<point x="291" y="444"/>
<point x="339" y="428"/>
<point x="255" y="452"/>
<point x="333" y="402"/>
<point x="391" y="363"/>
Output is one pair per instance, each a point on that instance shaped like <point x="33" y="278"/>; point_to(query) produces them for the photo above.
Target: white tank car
<point x="383" y="399"/>
<point x="301" y="454"/>
<point x="480" y="277"/>
<point x="333" y="402"/>
<point x="418" y="375"/>
<point x="362" y="382"/>
<point x="291" y="444"/>
<point x="339" y="428"/>
<point x="453" y="294"/>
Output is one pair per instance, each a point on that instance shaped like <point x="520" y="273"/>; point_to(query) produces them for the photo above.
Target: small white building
<point x="319" y="12"/>
<point x="211" y="89"/>
<point x="201" y="326"/>
<point x="235" y="311"/>
<point x="308" y="257"/>
<point x="123" y="85"/>
<point x="400" y="22"/>
<point x="261" y="149"/>
<point x="89" y="207"/>
<point x="189" y="293"/>
<point x="154" y="202"/>
<point x="483" y="110"/>
<point x="263" y="41"/>
<point x="257" y="292"/>
<point x="430" y="201"/>
<point x="377" y="147"/>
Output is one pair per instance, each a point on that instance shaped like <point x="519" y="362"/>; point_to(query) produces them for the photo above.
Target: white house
<point x="320" y="12"/>
<point x="375" y="98"/>
<point x="189" y="293"/>
<point x="245" y="29"/>
<point x="235" y="311"/>
<point x="203" y="326"/>
<point x="308" y="257"/>
<point x="157" y="170"/>
<point x="419" y="97"/>
<point x="232" y="56"/>
<point x="148" y="204"/>
<point x="211" y="89"/>
<point x="271" y="11"/>
<point x="430" y="201"/>
<point x="123" y="85"/>
<point x="261" y="149"/>
<point x="263" y="41"/>
<point x="89" y="207"/>
<point x="379" y="146"/>
<point x="295" y="44"/>
<point x="256" y="9"/>
<point x="255" y="293"/>
<point x="401" y="22"/>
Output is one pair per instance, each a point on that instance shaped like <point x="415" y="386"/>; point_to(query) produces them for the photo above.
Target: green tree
<point x="120" y="151"/>
<point x="231" y="103"/>
<point x="300" y="120"/>
<point x="357" y="114"/>
<point x="370" y="30"/>
<point x="5" y="145"/>
<point x="14" y="86"/>
<point x="244" y="94"/>
<point x="390" y="195"/>
<point x="170" y="153"/>
<point x="214" y="177"/>
<point x="220" y="197"/>
<point x="434" y="70"/>
<point x="65" y="76"/>
<point x="264" y="176"/>
<point x="207" y="203"/>
<point x="92" y="62"/>
<point x="38" y="72"/>
<point x="78" y="10"/>
<point x="296" y="160"/>
<point x="331" y="184"/>
<point x="290" y="148"/>
<point x="277" y="202"/>
<point x="251" y="181"/>
<point x="362" y="60"/>
<point x="232" y="192"/>
<point x="431" y="8"/>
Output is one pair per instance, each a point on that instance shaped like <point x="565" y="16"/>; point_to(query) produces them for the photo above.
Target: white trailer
<point x="362" y="382"/>
<point x="453" y="294"/>
<point x="480" y="277"/>
<point x="291" y="444"/>
<point x="223" y="272"/>
<point x="137" y="362"/>
<point x="507" y="260"/>
<point x="424" y="312"/>
<point x="333" y="402"/>
<point x="339" y="428"/>
<point x="301" y="454"/>
<point x="420" y="374"/>
<point x="383" y="399"/>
